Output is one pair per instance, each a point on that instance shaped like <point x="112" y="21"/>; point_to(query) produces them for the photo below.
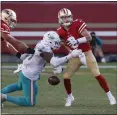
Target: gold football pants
<point x="75" y="63"/>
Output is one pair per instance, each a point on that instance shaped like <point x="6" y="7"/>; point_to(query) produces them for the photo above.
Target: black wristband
<point x="30" y="51"/>
<point x="18" y="54"/>
<point x="77" y="41"/>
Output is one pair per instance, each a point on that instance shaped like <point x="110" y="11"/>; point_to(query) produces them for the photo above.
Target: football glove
<point x="72" y="42"/>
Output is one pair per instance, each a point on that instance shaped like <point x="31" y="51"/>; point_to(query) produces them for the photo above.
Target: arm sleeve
<point x="59" y="61"/>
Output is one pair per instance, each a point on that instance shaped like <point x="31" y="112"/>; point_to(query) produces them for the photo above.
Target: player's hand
<point x="72" y="42"/>
<point x="58" y="70"/>
<point x="76" y="53"/>
<point x="18" y="68"/>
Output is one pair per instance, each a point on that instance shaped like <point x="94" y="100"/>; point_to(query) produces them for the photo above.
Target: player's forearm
<point x="86" y="37"/>
<point x="58" y="61"/>
<point x="10" y="48"/>
<point x="48" y="57"/>
<point x="23" y="48"/>
<point x="83" y="40"/>
<point x="19" y="45"/>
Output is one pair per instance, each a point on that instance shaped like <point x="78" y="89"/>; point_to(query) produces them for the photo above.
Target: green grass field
<point x="89" y="97"/>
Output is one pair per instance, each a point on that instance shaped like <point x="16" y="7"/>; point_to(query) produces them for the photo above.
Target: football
<point x="53" y="80"/>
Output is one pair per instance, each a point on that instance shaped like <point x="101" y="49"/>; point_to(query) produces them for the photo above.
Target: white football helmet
<point x="65" y="17"/>
<point x="9" y="17"/>
<point x="52" y="39"/>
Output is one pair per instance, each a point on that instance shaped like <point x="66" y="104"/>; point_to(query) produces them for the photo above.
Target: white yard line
<point x="14" y="67"/>
<point x="41" y="33"/>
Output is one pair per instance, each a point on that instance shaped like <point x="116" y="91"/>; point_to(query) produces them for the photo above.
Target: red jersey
<point x="4" y="28"/>
<point x="75" y="30"/>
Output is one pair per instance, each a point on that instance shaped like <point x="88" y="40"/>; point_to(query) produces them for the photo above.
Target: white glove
<point x="58" y="70"/>
<point x="80" y="54"/>
<point x="83" y="58"/>
<point x="76" y="53"/>
<point x="72" y="42"/>
<point x="18" y="68"/>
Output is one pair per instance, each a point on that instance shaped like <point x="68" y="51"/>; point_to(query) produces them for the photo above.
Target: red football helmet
<point x="9" y="17"/>
<point x="65" y="17"/>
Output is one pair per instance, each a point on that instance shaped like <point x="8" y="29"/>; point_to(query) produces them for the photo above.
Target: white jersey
<point x="33" y="64"/>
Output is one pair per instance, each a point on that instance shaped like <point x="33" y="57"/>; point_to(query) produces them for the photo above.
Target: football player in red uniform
<point x="8" y="42"/>
<point x="75" y="35"/>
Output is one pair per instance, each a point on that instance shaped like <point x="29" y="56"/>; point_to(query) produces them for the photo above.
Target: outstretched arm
<point x="54" y="61"/>
<point x="18" y="45"/>
<point x="86" y="35"/>
<point x="8" y="47"/>
<point x="59" y="61"/>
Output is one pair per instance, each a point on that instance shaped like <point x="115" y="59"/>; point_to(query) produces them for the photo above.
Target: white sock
<point x="5" y="96"/>
<point x="109" y="94"/>
<point x="70" y="95"/>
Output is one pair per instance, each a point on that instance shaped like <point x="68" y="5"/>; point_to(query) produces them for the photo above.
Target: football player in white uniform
<point x="31" y="68"/>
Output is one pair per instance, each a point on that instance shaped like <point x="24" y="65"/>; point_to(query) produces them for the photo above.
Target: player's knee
<point x="95" y="72"/>
<point x="19" y="86"/>
<point x="67" y="76"/>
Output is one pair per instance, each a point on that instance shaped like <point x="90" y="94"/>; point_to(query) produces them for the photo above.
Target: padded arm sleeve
<point x="58" y="61"/>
